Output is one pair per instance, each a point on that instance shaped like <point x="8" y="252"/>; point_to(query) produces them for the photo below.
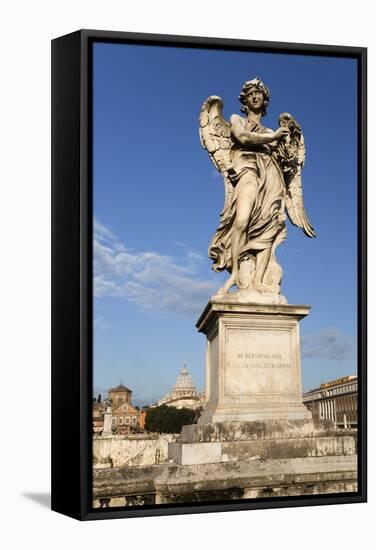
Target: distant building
<point x="97" y="419"/>
<point x="119" y="395"/>
<point x="142" y="419"/>
<point x="183" y="393"/>
<point x="125" y="417"/>
<point x="336" y="400"/>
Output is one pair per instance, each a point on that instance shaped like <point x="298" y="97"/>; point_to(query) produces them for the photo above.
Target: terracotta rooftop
<point x="120" y="388"/>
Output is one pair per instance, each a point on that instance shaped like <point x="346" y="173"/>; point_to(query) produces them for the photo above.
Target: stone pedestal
<point x="252" y="361"/>
<point x="254" y="409"/>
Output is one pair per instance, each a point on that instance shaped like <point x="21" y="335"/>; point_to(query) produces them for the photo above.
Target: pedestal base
<point x="271" y="440"/>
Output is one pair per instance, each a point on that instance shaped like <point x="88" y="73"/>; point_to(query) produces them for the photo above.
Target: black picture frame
<point x="72" y="260"/>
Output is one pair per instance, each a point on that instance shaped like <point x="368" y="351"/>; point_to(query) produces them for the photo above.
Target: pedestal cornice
<point x="217" y="307"/>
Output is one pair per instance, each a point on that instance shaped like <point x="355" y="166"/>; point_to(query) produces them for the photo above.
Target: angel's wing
<point x="215" y="137"/>
<point x="290" y="155"/>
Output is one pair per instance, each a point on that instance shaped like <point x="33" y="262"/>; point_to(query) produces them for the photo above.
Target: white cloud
<point x="328" y="344"/>
<point x="150" y="279"/>
<point x="101" y="325"/>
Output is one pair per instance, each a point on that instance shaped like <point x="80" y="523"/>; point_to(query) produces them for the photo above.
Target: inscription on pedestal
<point x="258" y="362"/>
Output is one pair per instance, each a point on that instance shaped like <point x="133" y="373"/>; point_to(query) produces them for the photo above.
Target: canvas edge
<point x="77" y="503"/>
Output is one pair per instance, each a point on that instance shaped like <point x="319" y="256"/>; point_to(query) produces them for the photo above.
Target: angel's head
<point x="254" y="96"/>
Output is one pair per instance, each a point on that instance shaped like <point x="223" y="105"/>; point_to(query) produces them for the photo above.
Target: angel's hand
<point x="281" y="132"/>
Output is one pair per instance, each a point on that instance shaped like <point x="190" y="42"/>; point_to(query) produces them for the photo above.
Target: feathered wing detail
<point x="290" y="154"/>
<point x="215" y="135"/>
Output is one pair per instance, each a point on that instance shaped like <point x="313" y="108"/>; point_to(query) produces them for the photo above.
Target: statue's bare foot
<point x="260" y="287"/>
<point x="222" y="291"/>
<point x="228" y="284"/>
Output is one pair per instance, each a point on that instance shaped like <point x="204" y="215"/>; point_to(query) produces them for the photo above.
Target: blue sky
<point x="157" y="200"/>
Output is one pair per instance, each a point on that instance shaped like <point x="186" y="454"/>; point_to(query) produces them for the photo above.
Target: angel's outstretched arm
<point x="252" y="138"/>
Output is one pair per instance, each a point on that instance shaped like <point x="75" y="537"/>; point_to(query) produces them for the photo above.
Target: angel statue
<point x="261" y="169"/>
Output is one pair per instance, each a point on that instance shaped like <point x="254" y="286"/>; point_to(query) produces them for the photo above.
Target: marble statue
<point x="261" y="169"/>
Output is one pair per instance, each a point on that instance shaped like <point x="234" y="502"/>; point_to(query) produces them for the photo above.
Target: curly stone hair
<point x="247" y="87"/>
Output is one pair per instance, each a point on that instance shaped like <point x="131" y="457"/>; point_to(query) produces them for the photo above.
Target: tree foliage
<point x="164" y="419"/>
